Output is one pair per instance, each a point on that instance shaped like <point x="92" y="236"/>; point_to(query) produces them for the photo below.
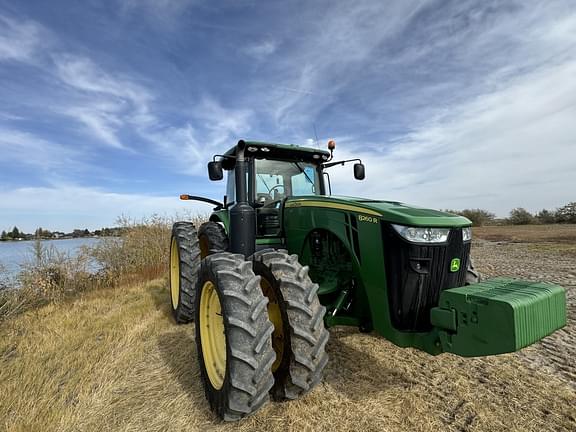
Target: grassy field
<point x="564" y="234"/>
<point x="113" y="360"/>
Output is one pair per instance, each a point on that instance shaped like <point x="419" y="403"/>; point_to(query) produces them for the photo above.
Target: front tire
<point x="299" y="337"/>
<point x="233" y="336"/>
<point x="184" y="266"/>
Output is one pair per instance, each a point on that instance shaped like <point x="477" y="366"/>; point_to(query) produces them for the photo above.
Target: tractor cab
<point x="274" y="173"/>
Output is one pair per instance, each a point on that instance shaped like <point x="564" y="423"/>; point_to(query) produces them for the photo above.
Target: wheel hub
<point x="174" y="273"/>
<point x="213" y="339"/>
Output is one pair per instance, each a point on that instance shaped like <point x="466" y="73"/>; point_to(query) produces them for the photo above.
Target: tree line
<point x="44" y="234"/>
<point x="521" y="216"/>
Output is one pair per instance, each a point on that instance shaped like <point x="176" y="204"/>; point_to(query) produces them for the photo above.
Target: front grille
<point x="416" y="274"/>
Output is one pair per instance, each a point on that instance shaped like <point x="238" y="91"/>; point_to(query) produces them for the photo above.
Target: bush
<point x="140" y="254"/>
<point x="478" y="217"/>
<point x="546" y="217"/>
<point x="566" y="214"/>
<point x="48" y="275"/>
<point x="520" y="216"/>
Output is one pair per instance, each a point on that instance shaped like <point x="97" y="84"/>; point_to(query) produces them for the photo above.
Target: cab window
<point x="275" y="180"/>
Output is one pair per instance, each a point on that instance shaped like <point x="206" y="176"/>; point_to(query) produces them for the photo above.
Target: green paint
<point x="498" y="316"/>
<point x="455" y="265"/>
<point x="489" y="318"/>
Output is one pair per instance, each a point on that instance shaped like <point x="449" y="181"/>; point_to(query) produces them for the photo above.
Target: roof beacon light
<point x="331" y="145"/>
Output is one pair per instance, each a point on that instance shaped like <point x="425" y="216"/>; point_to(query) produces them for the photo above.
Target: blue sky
<point x="114" y="107"/>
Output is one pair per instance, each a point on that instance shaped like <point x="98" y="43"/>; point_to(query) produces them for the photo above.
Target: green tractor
<point x="281" y="261"/>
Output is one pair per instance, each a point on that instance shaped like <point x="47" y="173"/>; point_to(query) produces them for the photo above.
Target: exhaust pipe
<point x="242" y="216"/>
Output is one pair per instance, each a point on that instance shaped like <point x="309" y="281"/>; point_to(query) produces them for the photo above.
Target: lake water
<point x="15" y="253"/>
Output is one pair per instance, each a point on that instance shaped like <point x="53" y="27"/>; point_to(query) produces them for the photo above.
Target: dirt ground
<point x="113" y="360"/>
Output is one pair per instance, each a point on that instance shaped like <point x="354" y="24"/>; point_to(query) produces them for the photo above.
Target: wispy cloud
<point x="85" y="75"/>
<point x="460" y="103"/>
<point x="261" y="50"/>
<point x="103" y="103"/>
<point x="211" y="128"/>
<point x="512" y="147"/>
<point x="19" y="39"/>
<point x="164" y="12"/>
<point x="29" y="149"/>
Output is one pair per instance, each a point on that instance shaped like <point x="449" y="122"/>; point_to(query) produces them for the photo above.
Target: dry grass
<point x="52" y="276"/>
<point x="47" y="276"/>
<point x="559" y="233"/>
<point x="113" y="360"/>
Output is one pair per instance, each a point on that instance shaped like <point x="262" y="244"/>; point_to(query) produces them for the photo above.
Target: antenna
<point x="315" y="135"/>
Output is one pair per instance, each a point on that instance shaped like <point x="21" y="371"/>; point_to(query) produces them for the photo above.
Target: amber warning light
<point x="331" y="145"/>
<point x="185" y="197"/>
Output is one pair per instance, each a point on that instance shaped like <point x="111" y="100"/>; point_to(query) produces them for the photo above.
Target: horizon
<point x="114" y="108"/>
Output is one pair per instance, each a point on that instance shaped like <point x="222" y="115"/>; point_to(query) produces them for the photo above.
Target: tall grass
<point x="140" y="254"/>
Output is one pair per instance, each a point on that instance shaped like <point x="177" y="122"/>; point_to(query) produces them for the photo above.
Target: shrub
<point x="546" y="217"/>
<point x="566" y="214"/>
<point x="478" y="217"/>
<point x="520" y="216"/>
<point x="141" y="253"/>
<point x="48" y="275"/>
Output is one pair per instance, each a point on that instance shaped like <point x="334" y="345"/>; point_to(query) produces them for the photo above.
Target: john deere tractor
<point x="281" y="260"/>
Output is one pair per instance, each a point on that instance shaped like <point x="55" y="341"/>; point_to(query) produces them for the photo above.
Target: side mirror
<point x="215" y="171"/>
<point x="359" y="171"/>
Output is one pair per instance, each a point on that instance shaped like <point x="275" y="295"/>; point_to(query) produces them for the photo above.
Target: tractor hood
<point x="390" y="211"/>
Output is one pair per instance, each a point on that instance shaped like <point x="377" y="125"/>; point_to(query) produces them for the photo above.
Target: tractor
<point x="281" y="261"/>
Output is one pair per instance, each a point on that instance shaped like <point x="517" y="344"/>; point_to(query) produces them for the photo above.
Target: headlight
<point x="423" y="235"/>
<point x="467" y="234"/>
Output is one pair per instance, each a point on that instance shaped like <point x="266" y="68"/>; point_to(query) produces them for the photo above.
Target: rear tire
<point x="212" y="238"/>
<point x="184" y="266"/>
<point x="238" y="382"/>
<point x="302" y="331"/>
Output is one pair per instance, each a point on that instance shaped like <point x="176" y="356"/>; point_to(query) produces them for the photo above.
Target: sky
<point x="111" y="108"/>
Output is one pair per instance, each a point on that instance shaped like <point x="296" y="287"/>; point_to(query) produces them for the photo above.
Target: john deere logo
<point x="455" y="265"/>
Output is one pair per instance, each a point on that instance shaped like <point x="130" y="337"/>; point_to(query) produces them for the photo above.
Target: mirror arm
<point x="219" y="205"/>
<point x="223" y="157"/>
<point x="331" y="164"/>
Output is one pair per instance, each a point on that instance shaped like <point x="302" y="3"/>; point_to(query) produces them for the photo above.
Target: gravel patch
<point x="549" y="262"/>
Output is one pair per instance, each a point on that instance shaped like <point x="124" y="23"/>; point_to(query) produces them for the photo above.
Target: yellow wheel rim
<point x="204" y="249"/>
<point x="174" y="273"/>
<point x="212" y="337"/>
<point x="275" y="317"/>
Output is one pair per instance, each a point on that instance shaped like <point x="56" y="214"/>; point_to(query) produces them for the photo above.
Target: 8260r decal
<point x="362" y="218"/>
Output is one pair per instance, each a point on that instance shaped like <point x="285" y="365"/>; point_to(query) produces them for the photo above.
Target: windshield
<point x="278" y="179"/>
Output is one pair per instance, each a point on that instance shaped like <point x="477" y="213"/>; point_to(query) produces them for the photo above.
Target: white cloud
<point x="84" y="74"/>
<point x="28" y="149"/>
<point x="102" y="125"/>
<point x="103" y="102"/>
<point x="261" y="50"/>
<point x="164" y="12"/>
<point x="66" y="207"/>
<point x="513" y="147"/>
<point x="19" y="40"/>
<point x="312" y="73"/>
<point x="212" y="129"/>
